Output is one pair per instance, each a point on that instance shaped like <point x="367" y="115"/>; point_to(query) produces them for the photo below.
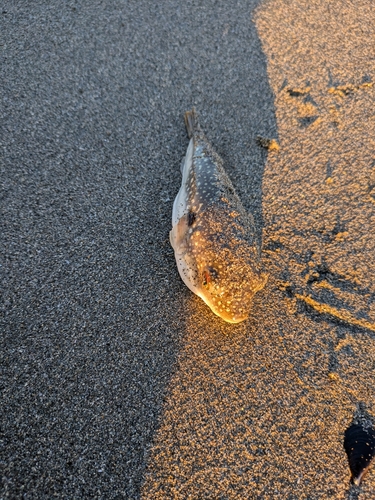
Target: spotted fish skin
<point x="214" y="239"/>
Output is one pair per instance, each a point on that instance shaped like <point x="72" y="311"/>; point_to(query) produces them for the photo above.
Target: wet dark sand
<point x="119" y="382"/>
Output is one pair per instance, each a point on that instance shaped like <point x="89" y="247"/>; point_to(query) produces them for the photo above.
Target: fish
<point x="359" y="444"/>
<point x="214" y="239"/>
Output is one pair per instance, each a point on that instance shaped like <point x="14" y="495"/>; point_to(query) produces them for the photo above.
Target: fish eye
<point x="209" y="275"/>
<point x="191" y="216"/>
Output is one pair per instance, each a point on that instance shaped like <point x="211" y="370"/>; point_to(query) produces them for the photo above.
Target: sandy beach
<point x="118" y="381"/>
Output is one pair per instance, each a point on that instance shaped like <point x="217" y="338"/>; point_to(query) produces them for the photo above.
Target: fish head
<point x="217" y="264"/>
<point x="226" y="272"/>
<point x="228" y="283"/>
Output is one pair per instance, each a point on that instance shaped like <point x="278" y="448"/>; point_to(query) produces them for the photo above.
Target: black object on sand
<point x="359" y="444"/>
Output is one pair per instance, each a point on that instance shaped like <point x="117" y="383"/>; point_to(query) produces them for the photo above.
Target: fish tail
<point x="191" y="122"/>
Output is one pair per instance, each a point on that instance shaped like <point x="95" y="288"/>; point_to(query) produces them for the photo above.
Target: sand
<point x="119" y="382"/>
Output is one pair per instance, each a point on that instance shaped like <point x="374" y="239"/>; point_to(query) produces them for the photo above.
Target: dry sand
<point x="119" y="382"/>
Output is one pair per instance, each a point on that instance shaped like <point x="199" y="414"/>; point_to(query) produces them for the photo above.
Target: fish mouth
<point x="225" y="315"/>
<point x="234" y="320"/>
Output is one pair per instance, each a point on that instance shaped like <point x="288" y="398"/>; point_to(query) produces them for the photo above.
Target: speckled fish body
<point x="213" y="237"/>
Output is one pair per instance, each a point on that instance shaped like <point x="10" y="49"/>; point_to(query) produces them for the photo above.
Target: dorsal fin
<point x="191" y="122"/>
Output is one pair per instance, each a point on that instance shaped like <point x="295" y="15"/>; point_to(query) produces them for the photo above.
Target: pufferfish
<point x="214" y="239"/>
